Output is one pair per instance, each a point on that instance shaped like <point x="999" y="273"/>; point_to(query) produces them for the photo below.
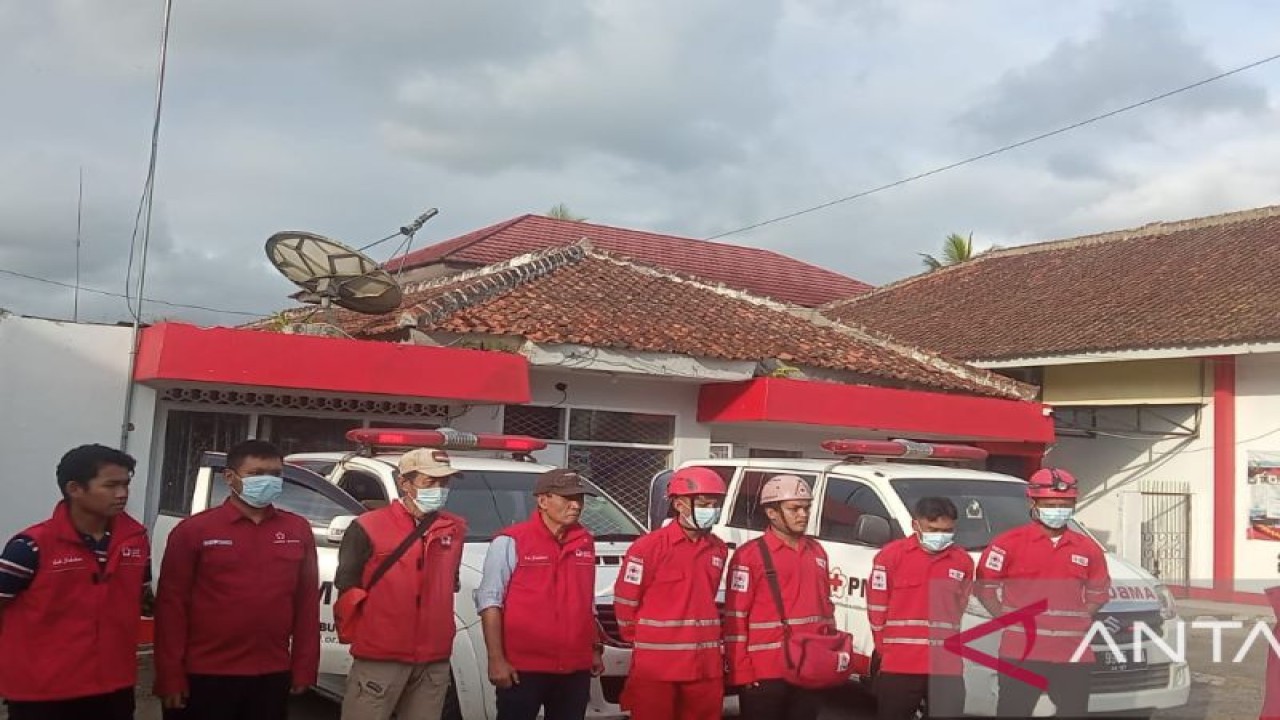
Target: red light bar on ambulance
<point x="444" y="439"/>
<point x="903" y="449"/>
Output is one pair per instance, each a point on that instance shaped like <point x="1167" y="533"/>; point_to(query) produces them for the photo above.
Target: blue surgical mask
<point x="431" y="499"/>
<point x="260" y="491"/>
<point x="936" y="541"/>
<point x="1055" y="518"/>
<point x="705" y="518"/>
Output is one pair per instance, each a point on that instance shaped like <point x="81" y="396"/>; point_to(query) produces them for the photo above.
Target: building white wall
<point x="1257" y="429"/>
<point x="1113" y="471"/>
<point x="62" y="385"/>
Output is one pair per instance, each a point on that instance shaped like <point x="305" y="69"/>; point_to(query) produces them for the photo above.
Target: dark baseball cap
<point x="562" y="482"/>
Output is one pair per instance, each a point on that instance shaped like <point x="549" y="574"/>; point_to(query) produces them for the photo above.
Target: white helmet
<point x="781" y="488"/>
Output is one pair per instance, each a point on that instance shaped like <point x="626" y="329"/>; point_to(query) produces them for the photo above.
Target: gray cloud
<point x="665" y="83"/>
<point x="350" y="120"/>
<point x="1139" y="50"/>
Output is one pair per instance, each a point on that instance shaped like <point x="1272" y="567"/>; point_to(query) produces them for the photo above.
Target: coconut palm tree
<point x="560" y="211"/>
<point x="955" y="249"/>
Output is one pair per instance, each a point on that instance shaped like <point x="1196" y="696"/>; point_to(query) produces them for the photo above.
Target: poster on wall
<point x="1264" y="496"/>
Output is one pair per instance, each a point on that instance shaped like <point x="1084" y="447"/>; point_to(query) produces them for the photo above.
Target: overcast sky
<point x="694" y="118"/>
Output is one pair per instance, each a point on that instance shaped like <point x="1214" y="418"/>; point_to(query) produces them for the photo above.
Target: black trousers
<point x="1069" y="686"/>
<point x="562" y="697"/>
<point x="898" y="695"/>
<point x="778" y="700"/>
<point x="235" y="697"/>
<point x="112" y="706"/>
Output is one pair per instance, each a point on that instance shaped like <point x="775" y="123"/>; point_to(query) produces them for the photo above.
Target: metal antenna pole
<point x="75" y="302"/>
<point x="126" y="425"/>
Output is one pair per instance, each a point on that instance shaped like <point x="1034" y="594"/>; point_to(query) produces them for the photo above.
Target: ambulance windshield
<point x="987" y="507"/>
<point x="492" y="500"/>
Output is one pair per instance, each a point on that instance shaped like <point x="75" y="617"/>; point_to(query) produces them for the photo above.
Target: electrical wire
<point x="997" y="151"/>
<point x="106" y="293"/>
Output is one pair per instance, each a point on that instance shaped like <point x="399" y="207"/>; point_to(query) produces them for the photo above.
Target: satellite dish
<point x="331" y="273"/>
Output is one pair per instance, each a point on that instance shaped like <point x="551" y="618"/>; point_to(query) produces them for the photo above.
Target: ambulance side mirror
<point x="872" y="530"/>
<point x="338" y="528"/>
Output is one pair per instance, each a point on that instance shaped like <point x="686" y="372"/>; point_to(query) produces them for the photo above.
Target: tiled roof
<point x="581" y="296"/>
<point x="1192" y="283"/>
<point x="755" y="270"/>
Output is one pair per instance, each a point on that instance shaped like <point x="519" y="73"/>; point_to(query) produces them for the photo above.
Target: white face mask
<point x="431" y="499"/>
<point x="1056" y="518"/>
<point x="705" y="518"/>
<point x="936" y="541"/>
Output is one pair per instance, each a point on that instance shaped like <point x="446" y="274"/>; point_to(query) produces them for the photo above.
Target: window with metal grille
<point x="544" y="423"/>
<point x="622" y="472"/>
<point x="187" y="436"/>
<point x="625" y="427"/>
<point x="620" y="451"/>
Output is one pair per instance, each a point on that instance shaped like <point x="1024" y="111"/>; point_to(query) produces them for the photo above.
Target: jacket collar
<point x="122" y="527"/>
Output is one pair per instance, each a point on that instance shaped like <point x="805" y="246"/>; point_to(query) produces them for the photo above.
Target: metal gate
<point x="1166" y="533"/>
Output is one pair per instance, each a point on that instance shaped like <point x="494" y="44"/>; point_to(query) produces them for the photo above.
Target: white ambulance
<point x="862" y="500"/>
<point x="492" y="491"/>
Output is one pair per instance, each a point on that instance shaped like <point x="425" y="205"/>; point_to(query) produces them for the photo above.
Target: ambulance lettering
<point x="1132" y="592"/>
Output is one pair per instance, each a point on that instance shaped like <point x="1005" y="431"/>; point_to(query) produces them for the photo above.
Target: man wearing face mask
<point x="665" y="599"/>
<point x="754" y="634"/>
<point x="238" y="604"/>
<point x="406" y="628"/>
<point x="1046" y="560"/>
<point x="919" y="589"/>
<point x="537" y="606"/>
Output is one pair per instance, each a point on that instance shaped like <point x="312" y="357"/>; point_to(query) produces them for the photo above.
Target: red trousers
<point x="667" y="700"/>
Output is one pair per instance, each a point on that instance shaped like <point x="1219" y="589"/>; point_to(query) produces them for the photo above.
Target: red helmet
<point x="1052" y="483"/>
<point x="695" y="481"/>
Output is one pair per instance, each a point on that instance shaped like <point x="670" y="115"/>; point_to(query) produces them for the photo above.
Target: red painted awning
<point x="173" y="353"/>
<point x="888" y="410"/>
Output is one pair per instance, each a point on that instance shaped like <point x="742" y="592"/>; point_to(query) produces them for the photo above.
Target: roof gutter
<point x="1127" y="355"/>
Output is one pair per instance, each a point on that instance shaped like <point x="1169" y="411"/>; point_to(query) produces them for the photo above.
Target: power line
<point x="95" y="291"/>
<point x="997" y="151"/>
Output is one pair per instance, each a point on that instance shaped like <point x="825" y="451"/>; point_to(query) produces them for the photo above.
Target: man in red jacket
<point x="406" y="630"/>
<point x="753" y="628"/>
<point x="1271" y="691"/>
<point x="238" y="604"/>
<point x="1045" y="560"/>
<point x="918" y="592"/>
<point x="537" y="606"/>
<point x="665" y="599"/>
<point x="71" y="597"/>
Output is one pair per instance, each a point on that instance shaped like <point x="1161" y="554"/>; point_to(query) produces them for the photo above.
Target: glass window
<point x="546" y="423"/>
<point x="319" y="467"/>
<point x="366" y="488"/>
<point x="987" y="507"/>
<point x="296" y="498"/>
<point x="843" y="502"/>
<point x="746" y="512"/>
<point x="491" y="501"/>
<point x="660" y="508"/>
<point x="623" y="427"/>
<point x="298" y="433"/>
<point x="187" y="435"/>
<point x="624" y="473"/>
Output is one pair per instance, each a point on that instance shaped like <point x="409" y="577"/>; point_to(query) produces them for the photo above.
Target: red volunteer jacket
<point x="915" y="602"/>
<point x="753" y="630"/>
<point x="1023" y="566"/>
<point x="408" y="615"/>
<point x="1271" y="696"/>
<point x="548" y="615"/>
<point x="665" y="598"/>
<point x="74" y="631"/>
